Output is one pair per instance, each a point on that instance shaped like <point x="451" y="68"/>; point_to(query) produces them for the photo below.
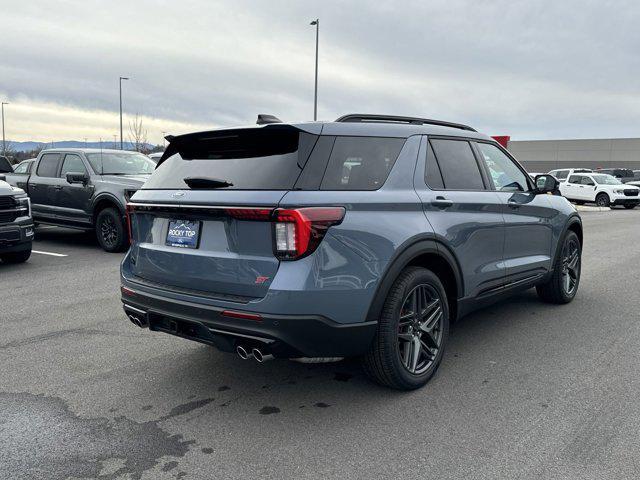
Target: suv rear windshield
<point x="251" y="159"/>
<point x="273" y="159"/>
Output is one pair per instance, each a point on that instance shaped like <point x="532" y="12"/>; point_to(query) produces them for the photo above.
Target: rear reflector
<point x="249" y="213"/>
<point x="127" y="291"/>
<point x="244" y="315"/>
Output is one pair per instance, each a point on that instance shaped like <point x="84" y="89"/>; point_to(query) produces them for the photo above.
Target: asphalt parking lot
<point x="526" y="390"/>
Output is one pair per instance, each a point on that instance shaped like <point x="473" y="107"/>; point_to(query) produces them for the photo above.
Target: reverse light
<point x="298" y="232"/>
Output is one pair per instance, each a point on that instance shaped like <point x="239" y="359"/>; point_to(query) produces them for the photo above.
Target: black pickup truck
<point x="86" y="189"/>
<point x="16" y="225"/>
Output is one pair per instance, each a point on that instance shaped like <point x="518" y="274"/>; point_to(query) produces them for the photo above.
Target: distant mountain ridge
<point x="28" y="146"/>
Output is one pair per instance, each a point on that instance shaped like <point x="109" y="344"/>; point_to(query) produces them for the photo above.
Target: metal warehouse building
<point x="544" y="155"/>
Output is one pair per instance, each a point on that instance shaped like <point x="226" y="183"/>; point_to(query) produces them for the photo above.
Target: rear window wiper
<point x="203" y="182"/>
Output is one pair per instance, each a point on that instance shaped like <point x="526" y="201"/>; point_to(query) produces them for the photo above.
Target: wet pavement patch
<point x="207" y="450"/>
<point x="322" y="405"/>
<point x="72" y="446"/>
<point x="187" y="407"/>
<point x="269" y="410"/>
<point x="223" y="388"/>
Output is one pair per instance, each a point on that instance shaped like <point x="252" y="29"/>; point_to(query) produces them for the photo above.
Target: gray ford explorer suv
<point x="364" y="237"/>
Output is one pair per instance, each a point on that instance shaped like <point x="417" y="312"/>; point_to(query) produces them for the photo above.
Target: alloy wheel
<point x="420" y="329"/>
<point x="570" y="266"/>
<point x="109" y="231"/>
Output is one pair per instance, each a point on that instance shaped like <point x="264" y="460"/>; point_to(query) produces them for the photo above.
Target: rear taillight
<point x="298" y="232"/>
<point x="128" y="212"/>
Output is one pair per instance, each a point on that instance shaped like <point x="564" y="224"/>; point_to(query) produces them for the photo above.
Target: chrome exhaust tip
<point x="261" y="357"/>
<point x="243" y="353"/>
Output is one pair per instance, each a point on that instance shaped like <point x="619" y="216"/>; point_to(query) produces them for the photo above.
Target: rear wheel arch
<point x="429" y="254"/>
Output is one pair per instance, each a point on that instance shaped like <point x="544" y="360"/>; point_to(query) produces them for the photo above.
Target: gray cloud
<point x="531" y="69"/>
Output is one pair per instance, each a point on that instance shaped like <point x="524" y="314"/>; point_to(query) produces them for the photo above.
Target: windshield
<point x="121" y="163"/>
<point x="606" y="180"/>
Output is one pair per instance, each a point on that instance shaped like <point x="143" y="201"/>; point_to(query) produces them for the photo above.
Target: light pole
<point x="316" y="22"/>
<point x="4" y="142"/>
<point x="121" y="143"/>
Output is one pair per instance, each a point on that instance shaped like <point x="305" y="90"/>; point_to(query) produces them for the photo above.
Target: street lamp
<point x="316" y="22"/>
<point x="4" y="142"/>
<point x="121" y="143"/>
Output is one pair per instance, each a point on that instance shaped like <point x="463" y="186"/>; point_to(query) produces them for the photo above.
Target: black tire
<point x="110" y="231"/>
<point x="602" y="200"/>
<point x="383" y="363"/>
<point x="16" y="257"/>
<point x="629" y="207"/>
<point x="556" y="289"/>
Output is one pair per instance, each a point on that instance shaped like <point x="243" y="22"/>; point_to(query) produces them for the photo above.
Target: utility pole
<point x="4" y="141"/>
<point x="121" y="142"/>
<point x="316" y="22"/>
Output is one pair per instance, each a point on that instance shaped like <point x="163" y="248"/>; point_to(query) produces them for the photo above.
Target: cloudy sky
<point x="529" y="69"/>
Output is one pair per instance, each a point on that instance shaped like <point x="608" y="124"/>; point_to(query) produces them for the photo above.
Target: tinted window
<point x="433" y="176"/>
<point x="72" y="163"/>
<point x="575" y="178"/>
<point x="269" y="158"/>
<point x="22" y="169"/>
<point x="561" y="174"/>
<point x="458" y="165"/>
<point x="505" y="174"/>
<point x="360" y="163"/>
<point x="48" y="166"/>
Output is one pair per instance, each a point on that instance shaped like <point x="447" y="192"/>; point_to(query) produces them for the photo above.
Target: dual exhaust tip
<point x="138" y="321"/>
<point x="245" y="354"/>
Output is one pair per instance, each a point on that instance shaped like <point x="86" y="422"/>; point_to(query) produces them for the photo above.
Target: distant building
<point x="541" y="156"/>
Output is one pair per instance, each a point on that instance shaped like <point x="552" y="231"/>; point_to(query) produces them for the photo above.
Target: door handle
<point x="58" y="187"/>
<point x="513" y="204"/>
<point x="441" y="202"/>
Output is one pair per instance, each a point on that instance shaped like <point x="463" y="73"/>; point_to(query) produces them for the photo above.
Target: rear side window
<point x="72" y="164"/>
<point x="250" y="159"/>
<point x="360" y="163"/>
<point x="48" y="166"/>
<point x="561" y="174"/>
<point x="460" y="170"/>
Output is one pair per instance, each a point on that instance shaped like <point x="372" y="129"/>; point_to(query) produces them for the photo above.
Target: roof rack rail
<point x="357" y="117"/>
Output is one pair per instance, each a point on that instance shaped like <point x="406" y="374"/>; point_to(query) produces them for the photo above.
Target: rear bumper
<point x="17" y="236"/>
<point x="285" y="336"/>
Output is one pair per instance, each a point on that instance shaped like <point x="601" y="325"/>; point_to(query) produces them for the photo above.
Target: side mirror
<point x="77" y="177"/>
<point x="546" y="184"/>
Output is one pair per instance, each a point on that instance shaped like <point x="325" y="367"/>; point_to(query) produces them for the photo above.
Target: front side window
<point x="458" y="165"/>
<point x="120" y="163"/>
<point x="506" y="175"/>
<point x="360" y="163"/>
<point x="72" y="164"/>
<point x="603" y="179"/>
<point x="48" y="166"/>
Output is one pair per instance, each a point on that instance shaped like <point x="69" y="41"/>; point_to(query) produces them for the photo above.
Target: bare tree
<point x="8" y="150"/>
<point x="138" y="134"/>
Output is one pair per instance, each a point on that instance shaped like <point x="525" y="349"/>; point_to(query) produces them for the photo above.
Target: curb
<point x="585" y="208"/>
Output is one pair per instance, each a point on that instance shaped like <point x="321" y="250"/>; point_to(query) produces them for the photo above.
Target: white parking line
<point x="49" y="253"/>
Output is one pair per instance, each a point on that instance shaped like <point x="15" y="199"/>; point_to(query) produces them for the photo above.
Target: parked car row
<point x="604" y="187"/>
<point x="84" y="188"/>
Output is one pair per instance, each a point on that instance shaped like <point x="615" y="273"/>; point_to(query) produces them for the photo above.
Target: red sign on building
<point x="502" y="139"/>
